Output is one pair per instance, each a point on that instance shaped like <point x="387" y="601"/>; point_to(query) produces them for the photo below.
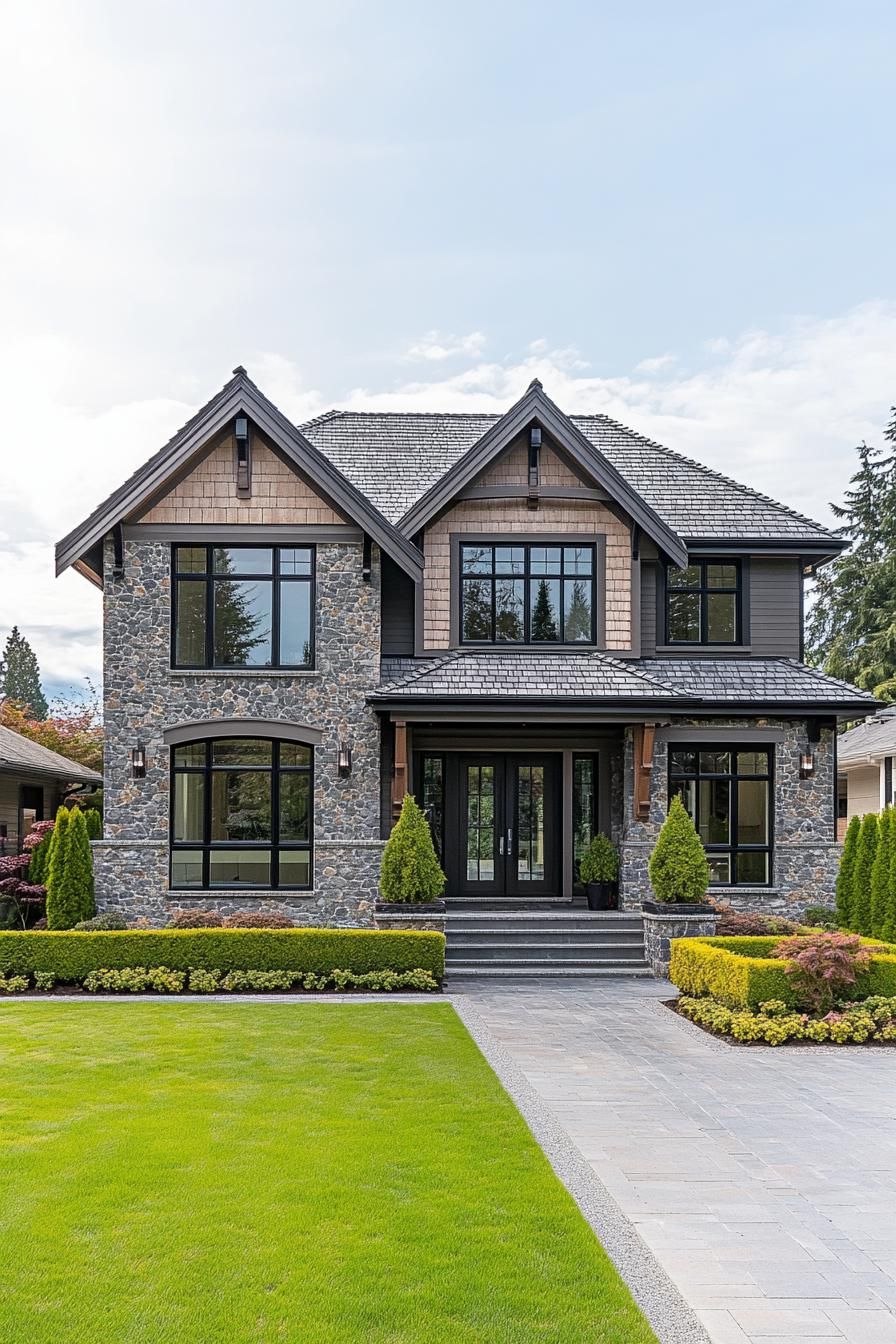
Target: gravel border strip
<point x="672" y="1320"/>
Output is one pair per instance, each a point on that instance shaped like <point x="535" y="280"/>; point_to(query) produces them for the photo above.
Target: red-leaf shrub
<point x="747" y="924"/>
<point x="822" y="966"/>
<point x="257" y="919"/>
<point x="197" y="919"/>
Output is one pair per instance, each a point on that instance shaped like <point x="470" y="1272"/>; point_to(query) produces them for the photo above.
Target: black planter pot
<point x="601" y="895"/>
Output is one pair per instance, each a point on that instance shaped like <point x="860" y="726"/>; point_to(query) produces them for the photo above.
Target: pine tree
<point x="880" y="873"/>
<point x="544" y="618"/>
<point x="678" y="867"/>
<point x="851" y="631"/>
<point x="20" y="675"/>
<point x="410" y="870"/>
<point x="846" y="872"/>
<point x="860" y="905"/>
<point x="70" y="879"/>
<point x="577" y="625"/>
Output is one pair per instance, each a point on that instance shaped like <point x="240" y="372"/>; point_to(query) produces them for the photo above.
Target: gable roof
<point x="870" y="742"/>
<point x="19" y="753"/>
<point x="397" y="457"/>
<point x="238" y="396"/>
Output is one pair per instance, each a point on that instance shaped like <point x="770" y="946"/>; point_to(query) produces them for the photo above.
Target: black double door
<point x="503" y="832"/>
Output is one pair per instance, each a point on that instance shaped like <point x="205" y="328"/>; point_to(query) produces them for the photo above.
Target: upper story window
<point x="241" y="813"/>
<point x="703" y="603"/>
<point x="527" y="594"/>
<point x="243" y="606"/>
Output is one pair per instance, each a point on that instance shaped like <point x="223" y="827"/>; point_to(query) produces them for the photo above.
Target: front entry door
<point x="508" y="832"/>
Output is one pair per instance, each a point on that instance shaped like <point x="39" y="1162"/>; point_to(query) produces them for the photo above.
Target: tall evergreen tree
<point x="888" y="927"/>
<point x="860" y="906"/>
<point x="846" y="872"/>
<point x="851" y="630"/>
<point x="880" y="873"/>
<point x="577" y="625"/>
<point x="544" y="617"/>
<point x="20" y="675"/>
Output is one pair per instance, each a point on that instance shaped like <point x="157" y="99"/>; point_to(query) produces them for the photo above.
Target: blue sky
<point x="680" y="214"/>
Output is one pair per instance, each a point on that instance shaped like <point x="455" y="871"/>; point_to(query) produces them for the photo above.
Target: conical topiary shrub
<point x="860" y="904"/>
<point x="678" y="867"/>
<point x="846" y="872"/>
<point x="410" y="870"/>
<point x="880" y="873"/>
<point x="888" y="925"/>
<point x="70" y="879"/>
<point x="94" y="822"/>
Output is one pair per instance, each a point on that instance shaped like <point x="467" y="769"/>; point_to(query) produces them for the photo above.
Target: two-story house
<point x="542" y="625"/>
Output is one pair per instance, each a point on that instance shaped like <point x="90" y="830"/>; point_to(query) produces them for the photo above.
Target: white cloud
<point x="434" y="346"/>
<point x="778" y="410"/>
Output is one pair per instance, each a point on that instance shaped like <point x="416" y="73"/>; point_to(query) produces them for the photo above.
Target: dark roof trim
<point x="240" y="394"/>
<point x="811" y="549"/>
<point x="536" y="405"/>
<point x="555" y="708"/>
<point x="198" y="730"/>
<point x="79" y="774"/>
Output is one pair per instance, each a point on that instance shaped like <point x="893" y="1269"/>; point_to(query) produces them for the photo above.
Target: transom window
<point x="727" y="792"/>
<point x="703" y="603"/>
<point x="241" y="812"/>
<point x="527" y="594"/>
<point x="243" y="606"/>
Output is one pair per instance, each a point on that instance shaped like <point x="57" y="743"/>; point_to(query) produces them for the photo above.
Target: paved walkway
<point x="764" y="1181"/>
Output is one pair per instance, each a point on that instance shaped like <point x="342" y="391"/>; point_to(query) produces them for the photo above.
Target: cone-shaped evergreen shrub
<point x="410" y="869"/>
<point x="888" y="927"/>
<point x="846" y="872"/>
<point x="70" y="879"/>
<point x="678" y="867"/>
<point x="860" y="905"/>
<point x="94" y="824"/>
<point x="880" y="873"/>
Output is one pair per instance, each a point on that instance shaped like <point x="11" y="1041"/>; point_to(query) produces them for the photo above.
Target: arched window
<point x="241" y="814"/>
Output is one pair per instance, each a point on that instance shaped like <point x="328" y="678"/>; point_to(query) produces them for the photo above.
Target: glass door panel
<point x="480" y="839"/>
<point x="533" y="826"/>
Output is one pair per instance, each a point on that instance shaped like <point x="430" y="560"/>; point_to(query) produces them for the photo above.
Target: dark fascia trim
<point x="277" y="534"/>
<point x="197" y="730"/>
<point x="814" y="549"/>
<point x="681" y="705"/>
<point x="240" y="395"/>
<point x="535" y="405"/>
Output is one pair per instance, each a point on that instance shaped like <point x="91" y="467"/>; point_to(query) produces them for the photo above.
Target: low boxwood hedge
<point x="739" y="973"/>
<point x="73" y="954"/>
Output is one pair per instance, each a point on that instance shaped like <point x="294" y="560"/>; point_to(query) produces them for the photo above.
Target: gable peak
<point x="535" y="385"/>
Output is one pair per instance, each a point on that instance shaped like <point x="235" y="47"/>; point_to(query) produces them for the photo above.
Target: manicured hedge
<point x="739" y="973"/>
<point x="72" y="954"/>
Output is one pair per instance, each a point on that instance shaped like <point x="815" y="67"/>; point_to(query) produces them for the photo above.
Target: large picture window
<point x="703" y="603"/>
<point x="241" y="814"/>
<point x="527" y="594"/>
<point x="727" y="792"/>
<point x="243" y="606"/>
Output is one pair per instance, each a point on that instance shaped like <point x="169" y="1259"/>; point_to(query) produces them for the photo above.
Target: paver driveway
<point x="763" y="1180"/>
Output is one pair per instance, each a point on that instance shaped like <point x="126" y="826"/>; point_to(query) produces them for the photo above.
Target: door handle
<point x="509" y="840"/>
<point x="501" y="845"/>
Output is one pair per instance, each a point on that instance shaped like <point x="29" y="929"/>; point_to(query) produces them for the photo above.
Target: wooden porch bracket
<point x="643" y="735"/>
<point x="400" y="766"/>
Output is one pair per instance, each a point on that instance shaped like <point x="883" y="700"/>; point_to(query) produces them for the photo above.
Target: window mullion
<point x="209" y="607"/>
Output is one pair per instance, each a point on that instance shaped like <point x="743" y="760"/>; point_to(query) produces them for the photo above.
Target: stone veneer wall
<point x="144" y="696"/>
<point x="806" y="854"/>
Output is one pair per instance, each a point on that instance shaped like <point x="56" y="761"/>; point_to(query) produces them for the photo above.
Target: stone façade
<point x="805" y="853"/>
<point x="144" y="696"/>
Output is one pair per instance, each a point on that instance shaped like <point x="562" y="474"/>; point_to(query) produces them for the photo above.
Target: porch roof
<point x="670" y="685"/>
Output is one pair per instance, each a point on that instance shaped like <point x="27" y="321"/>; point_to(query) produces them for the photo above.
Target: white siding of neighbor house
<point x="863" y="790"/>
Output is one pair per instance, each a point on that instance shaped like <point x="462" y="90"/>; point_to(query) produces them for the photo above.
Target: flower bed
<point x="871" y="1020"/>
<point x="740" y="973"/>
<point x="72" y="955"/>
<point x="164" y="980"/>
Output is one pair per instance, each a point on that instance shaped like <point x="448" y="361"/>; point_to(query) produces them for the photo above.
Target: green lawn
<point x="323" y="1173"/>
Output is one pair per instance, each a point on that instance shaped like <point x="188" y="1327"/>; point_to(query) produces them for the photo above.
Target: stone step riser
<point x="464" y="969"/>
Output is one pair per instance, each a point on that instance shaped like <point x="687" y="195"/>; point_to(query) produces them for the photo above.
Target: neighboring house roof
<point x="238" y="396"/>
<point x="396" y="458"/>
<point x="682" y="684"/>
<point x="19" y="755"/>
<point x="870" y="742"/>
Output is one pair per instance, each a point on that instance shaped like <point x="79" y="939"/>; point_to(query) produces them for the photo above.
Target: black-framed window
<point x="242" y="814"/>
<point x="243" y="606"/>
<point x="727" y="791"/>
<point x="704" y="603"/>
<point x="527" y="594"/>
<point x="432" y="799"/>
<point x="584" y="807"/>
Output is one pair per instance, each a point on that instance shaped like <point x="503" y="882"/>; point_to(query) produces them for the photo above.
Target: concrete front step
<point x="516" y="923"/>
<point x="600" y="970"/>
<point x="496" y="947"/>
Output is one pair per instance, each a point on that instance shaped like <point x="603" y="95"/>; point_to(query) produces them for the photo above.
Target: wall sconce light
<point x="344" y="759"/>
<point x="138" y="761"/>
<point x="807" y="765"/>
